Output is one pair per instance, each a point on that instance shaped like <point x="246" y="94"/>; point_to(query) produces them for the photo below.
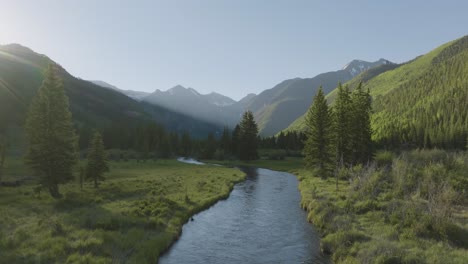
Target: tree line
<point x="54" y="144"/>
<point x="340" y="135"/>
<point x="430" y="111"/>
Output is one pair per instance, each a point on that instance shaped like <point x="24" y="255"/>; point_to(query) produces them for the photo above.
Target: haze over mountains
<point x="286" y="101"/>
<point x="279" y="108"/>
<point x="21" y="74"/>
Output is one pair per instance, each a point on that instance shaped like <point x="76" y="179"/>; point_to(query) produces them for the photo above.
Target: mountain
<point x="245" y="101"/>
<point x="422" y="102"/>
<point x="213" y="107"/>
<point x="137" y="95"/>
<point x="21" y="74"/>
<point x="275" y="109"/>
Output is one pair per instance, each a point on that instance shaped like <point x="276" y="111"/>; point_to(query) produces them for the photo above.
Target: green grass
<point x="374" y="219"/>
<point x="379" y="215"/>
<point x="133" y="217"/>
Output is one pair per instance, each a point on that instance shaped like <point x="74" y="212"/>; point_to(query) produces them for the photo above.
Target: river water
<point x="260" y="222"/>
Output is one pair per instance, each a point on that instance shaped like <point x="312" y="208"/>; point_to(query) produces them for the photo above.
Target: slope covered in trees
<point x="422" y="103"/>
<point x="92" y="106"/>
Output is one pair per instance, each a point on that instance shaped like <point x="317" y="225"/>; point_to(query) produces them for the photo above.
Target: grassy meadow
<point x="133" y="217"/>
<point x="407" y="208"/>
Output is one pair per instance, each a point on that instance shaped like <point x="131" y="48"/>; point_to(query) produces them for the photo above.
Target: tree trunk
<point x="54" y="191"/>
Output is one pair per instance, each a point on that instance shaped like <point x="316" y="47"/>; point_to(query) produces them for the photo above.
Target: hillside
<point x="410" y="101"/>
<point x="214" y="108"/>
<point x="21" y="74"/>
<point x="278" y="107"/>
<point x="137" y="95"/>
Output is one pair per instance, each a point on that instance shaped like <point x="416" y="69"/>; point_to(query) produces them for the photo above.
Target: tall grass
<point x="401" y="209"/>
<point x="133" y="217"/>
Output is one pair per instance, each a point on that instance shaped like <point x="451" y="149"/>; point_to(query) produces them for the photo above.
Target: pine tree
<point x="248" y="133"/>
<point x="318" y="149"/>
<point x="97" y="163"/>
<point x="225" y="142"/>
<point x="52" y="141"/>
<point x="235" y="141"/>
<point x="3" y="146"/>
<point x="186" y="144"/>
<point x="361" y="131"/>
<point x="210" y="147"/>
<point x="342" y="124"/>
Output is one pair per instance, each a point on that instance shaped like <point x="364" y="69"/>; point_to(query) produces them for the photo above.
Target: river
<point x="260" y="222"/>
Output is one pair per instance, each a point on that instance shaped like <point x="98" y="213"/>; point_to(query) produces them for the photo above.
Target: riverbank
<point x="406" y="209"/>
<point x="135" y="215"/>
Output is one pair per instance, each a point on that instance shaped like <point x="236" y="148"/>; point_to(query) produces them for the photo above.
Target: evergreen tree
<point x="3" y="146"/>
<point x="248" y="142"/>
<point x="97" y="163"/>
<point x="186" y="144"/>
<point x="52" y="141"/>
<point x="361" y="131"/>
<point x="235" y="141"/>
<point x="210" y="147"/>
<point x="318" y="149"/>
<point x="342" y="125"/>
<point x="225" y="142"/>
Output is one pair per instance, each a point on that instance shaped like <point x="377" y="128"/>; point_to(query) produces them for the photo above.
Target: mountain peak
<point x="355" y="67"/>
<point x="16" y="47"/>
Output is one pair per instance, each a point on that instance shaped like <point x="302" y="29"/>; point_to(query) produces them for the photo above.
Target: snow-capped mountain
<point x="356" y="67"/>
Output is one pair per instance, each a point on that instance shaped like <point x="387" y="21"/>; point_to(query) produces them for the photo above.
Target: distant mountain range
<point x="21" y="74"/>
<point x="274" y="109"/>
<point x="97" y="103"/>
<point x="423" y="102"/>
<point x="137" y="95"/>
<point x="213" y="107"/>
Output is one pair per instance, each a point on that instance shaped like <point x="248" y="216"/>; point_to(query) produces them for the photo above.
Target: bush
<point x="340" y="241"/>
<point x="384" y="159"/>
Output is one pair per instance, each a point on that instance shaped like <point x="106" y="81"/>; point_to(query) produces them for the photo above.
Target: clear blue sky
<point x="231" y="47"/>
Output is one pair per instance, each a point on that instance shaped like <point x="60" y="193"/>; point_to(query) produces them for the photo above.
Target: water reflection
<point x="260" y="222"/>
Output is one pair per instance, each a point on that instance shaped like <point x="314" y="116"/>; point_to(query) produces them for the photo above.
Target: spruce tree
<point x="210" y="147"/>
<point x="318" y="149"/>
<point x="186" y="144"/>
<point x="225" y="142"/>
<point x="3" y="146"/>
<point x="97" y="162"/>
<point x="342" y="125"/>
<point x="235" y="141"/>
<point x="52" y="142"/>
<point x="361" y="131"/>
<point x="248" y="141"/>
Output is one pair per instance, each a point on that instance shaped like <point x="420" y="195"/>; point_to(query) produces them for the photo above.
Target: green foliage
<point x="97" y="160"/>
<point x="248" y="142"/>
<point x="210" y="147"/>
<point x="318" y="149"/>
<point x="135" y="215"/>
<point x="361" y="131"/>
<point x="3" y="146"/>
<point x="52" y="140"/>
<point x="419" y="104"/>
<point x="343" y="121"/>
<point x="409" y="210"/>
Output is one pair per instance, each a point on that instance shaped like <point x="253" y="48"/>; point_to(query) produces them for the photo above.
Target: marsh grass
<point x="413" y="211"/>
<point x="408" y="208"/>
<point x="133" y="217"/>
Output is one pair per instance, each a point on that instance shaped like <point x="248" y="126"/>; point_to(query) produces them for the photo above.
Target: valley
<point x="227" y="132"/>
